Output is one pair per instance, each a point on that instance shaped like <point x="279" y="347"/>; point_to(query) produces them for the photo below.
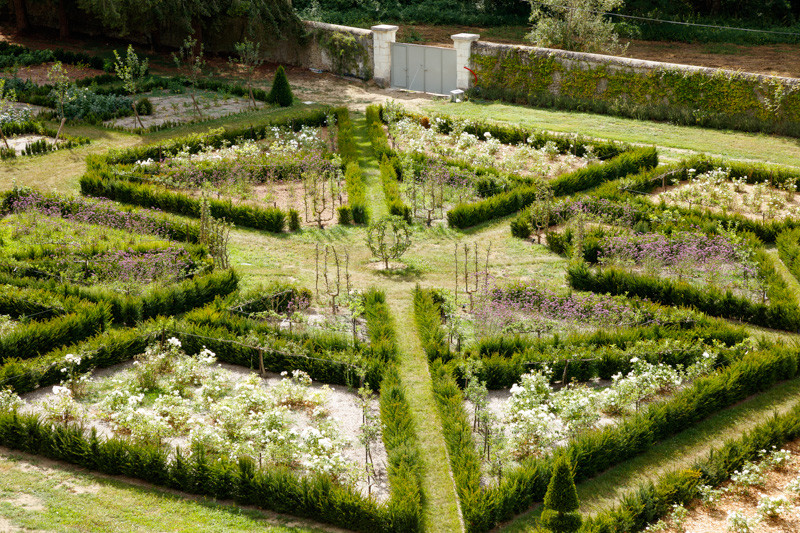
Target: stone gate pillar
<point x="383" y="35"/>
<point x="462" y="42"/>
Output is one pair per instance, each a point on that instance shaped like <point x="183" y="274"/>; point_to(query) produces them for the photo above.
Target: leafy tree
<point x="250" y="60"/>
<point x="577" y="25"/>
<point x="189" y="61"/>
<point x="281" y="92"/>
<point x="57" y="76"/>
<point x="131" y="70"/>
<point x="561" y="504"/>
<point x="7" y="97"/>
<point x="389" y="238"/>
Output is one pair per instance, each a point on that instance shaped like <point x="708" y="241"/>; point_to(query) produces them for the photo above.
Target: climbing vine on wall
<point x="523" y="75"/>
<point x="349" y="56"/>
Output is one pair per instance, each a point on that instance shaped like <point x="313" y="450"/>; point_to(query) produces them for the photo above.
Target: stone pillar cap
<point x="465" y="37"/>
<point x="385" y="27"/>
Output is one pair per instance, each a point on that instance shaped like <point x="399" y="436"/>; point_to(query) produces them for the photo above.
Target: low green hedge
<point x="129" y="309"/>
<point x="599" y="450"/>
<point x="780" y="315"/>
<point x="654" y="499"/>
<point x="105" y="185"/>
<point x="35" y="338"/>
<point x="504" y="204"/>
<point x="353" y="175"/>
<point x="788" y="243"/>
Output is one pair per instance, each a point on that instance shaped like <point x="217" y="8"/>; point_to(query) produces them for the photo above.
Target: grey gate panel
<point x="429" y="69"/>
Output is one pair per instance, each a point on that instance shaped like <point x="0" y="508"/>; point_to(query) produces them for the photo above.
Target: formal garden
<point x="262" y="312"/>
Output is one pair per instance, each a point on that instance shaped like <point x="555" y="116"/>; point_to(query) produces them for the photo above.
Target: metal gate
<point x="428" y="69"/>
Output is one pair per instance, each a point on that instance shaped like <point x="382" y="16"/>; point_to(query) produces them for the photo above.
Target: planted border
<point x="504" y="204"/>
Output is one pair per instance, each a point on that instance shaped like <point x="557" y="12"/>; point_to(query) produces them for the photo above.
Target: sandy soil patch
<point x="178" y="108"/>
<point x="19" y="143"/>
<point x="38" y="73"/>
<point x="713" y="519"/>
<point x="341" y="403"/>
<point x="27" y="502"/>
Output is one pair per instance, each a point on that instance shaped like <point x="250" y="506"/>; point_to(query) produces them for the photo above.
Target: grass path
<point x="41" y="495"/>
<point x="672" y="141"/>
<point x="783" y="271"/>
<point x="680" y="451"/>
<point x="442" y="513"/>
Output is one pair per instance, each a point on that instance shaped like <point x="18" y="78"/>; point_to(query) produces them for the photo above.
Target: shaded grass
<point x="674" y="141"/>
<point x="37" y="494"/>
<point x="680" y="451"/>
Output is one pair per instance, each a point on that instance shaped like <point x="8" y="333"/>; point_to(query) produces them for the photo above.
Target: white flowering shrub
<point x="10" y="400"/>
<point x="750" y="475"/>
<point x="738" y="522"/>
<point x="793" y="486"/>
<point x="774" y="458"/>
<point x="773" y="506"/>
<point x="709" y="495"/>
<point x="169" y="397"/>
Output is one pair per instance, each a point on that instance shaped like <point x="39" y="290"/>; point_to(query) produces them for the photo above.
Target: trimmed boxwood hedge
<point x="503" y="204"/>
<point x="598" y="450"/>
<point x="31" y="339"/>
<point x="776" y="315"/>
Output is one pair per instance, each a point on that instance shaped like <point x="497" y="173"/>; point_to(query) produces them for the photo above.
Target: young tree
<point x="250" y="59"/>
<point x="561" y="504"/>
<point x="7" y="98"/>
<point x="389" y="238"/>
<point x="131" y="70"/>
<point x="577" y="25"/>
<point x="189" y="60"/>
<point x="57" y="76"/>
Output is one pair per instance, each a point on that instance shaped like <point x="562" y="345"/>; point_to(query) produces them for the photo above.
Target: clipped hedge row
<point x="278" y="490"/>
<point x="353" y="175"/>
<point x="405" y="468"/>
<point x="35" y="338"/>
<point x="599" y="450"/>
<point x="29" y="303"/>
<point x="278" y="356"/>
<point x="101" y="351"/>
<point x="467" y="215"/>
<point x="196" y="142"/>
<point x="428" y="317"/>
<point x="655" y="499"/>
<point x="710" y="300"/>
<point x="788" y="243"/>
<point x="159" y="301"/>
<point x="105" y="185"/>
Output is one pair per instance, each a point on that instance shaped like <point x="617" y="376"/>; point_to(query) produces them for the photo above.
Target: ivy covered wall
<point x="642" y="89"/>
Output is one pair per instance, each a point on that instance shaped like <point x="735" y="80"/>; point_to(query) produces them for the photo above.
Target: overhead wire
<point x="681" y="23"/>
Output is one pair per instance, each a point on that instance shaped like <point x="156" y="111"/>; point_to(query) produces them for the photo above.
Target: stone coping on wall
<point x="489" y="48"/>
<point x="311" y="24"/>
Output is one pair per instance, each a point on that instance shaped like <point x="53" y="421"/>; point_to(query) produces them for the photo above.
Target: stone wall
<point x="528" y="74"/>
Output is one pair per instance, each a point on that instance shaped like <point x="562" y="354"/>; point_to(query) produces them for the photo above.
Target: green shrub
<point x="345" y="215"/>
<point x="281" y="92"/>
<point x="294" y="220"/>
<point x="144" y="106"/>
<point x="561" y="500"/>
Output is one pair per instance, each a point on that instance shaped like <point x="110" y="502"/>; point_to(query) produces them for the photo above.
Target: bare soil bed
<point x="179" y="108"/>
<point x="38" y="73"/>
<point x="713" y="518"/>
<point x="19" y="143"/>
<point x="341" y="404"/>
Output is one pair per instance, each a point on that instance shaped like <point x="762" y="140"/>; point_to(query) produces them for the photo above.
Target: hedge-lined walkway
<point x="679" y="452"/>
<point x="442" y="513"/>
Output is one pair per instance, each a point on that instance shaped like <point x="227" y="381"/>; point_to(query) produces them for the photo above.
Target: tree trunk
<point x="63" y="21"/>
<point x="21" y="15"/>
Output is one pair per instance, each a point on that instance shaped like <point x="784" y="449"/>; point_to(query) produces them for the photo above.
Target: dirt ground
<point x="38" y="73"/>
<point x="713" y="519"/>
<point x="179" y="108"/>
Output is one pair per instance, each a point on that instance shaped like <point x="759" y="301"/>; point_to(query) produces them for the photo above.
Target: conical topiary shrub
<point x="281" y="92"/>
<point x="560" y="513"/>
